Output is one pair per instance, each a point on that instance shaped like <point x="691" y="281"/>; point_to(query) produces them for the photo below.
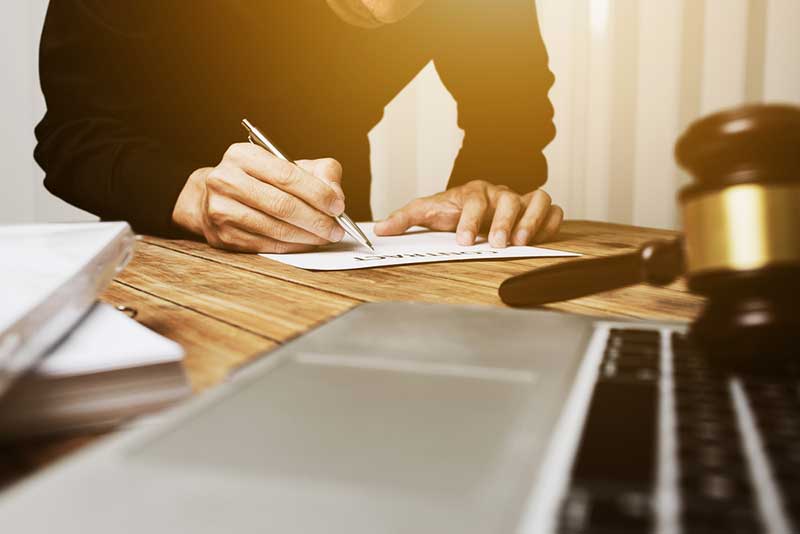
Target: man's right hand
<point x="255" y="202"/>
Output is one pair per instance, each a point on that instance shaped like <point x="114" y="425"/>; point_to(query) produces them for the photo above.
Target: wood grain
<point x="226" y="308"/>
<point x="259" y="304"/>
<point x="477" y="282"/>
<point x="213" y="348"/>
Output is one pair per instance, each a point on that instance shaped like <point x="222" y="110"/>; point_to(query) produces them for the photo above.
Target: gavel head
<point x="741" y="219"/>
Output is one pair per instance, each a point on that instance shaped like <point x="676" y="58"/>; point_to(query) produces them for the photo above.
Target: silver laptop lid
<point x="392" y="418"/>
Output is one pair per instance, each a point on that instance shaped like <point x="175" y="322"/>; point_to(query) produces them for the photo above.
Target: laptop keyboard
<point x="728" y="442"/>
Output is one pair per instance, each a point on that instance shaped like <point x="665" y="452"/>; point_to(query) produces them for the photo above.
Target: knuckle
<point x="331" y="168"/>
<point x="211" y="238"/>
<point x="479" y="199"/>
<point x="217" y="216"/>
<point x="216" y="179"/>
<point x="284" y="173"/>
<point x="509" y="198"/>
<point x="475" y="184"/>
<point x="237" y="151"/>
<point x="225" y="236"/>
<point x="545" y="196"/>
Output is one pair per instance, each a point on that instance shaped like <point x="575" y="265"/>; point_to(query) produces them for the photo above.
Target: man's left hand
<point x="469" y="209"/>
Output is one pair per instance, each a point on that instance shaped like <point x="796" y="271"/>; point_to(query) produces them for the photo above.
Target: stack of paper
<point x="106" y="371"/>
<point x="50" y="275"/>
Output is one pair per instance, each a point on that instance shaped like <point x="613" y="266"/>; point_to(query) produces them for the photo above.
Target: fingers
<point x="287" y="177"/>
<point x="551" y="225"/>
<point x="507" y="209"/>
<point x="327" y="169"/>
<point x="473" y="211"/>
<point x="236" y="184"/>
<point x="532" y="219"/>
<point x="238" y="240"/>
<point x="223" y="212"/>
<point x="431" y="212"/>
<point x="232" y="238"/>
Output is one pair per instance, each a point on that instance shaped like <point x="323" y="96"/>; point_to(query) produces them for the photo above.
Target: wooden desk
<point x="226" y="308"/>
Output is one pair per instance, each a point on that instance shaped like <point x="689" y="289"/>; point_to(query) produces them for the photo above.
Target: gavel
<point x="740" y="246"/>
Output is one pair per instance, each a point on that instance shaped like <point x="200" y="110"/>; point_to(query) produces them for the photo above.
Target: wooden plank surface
<point x="477" y="282"/>
<point x="212" y="347"/>
<point x="226" y="308"/>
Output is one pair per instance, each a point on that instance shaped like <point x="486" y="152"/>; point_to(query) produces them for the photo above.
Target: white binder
<point x="50" y="275"/>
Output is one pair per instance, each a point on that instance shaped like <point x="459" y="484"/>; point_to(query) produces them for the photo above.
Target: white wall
<point x="630" y="75"/>
<point x="23" y="198"/>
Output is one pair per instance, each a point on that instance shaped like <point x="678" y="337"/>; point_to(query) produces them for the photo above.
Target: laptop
<point x="417" y="418"/>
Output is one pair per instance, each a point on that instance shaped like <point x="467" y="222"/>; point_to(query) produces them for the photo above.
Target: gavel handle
<point x="658" y="262"/>
<point x="572" y="280"/>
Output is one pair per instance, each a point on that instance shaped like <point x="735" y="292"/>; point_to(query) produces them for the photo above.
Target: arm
<point x="492" y="58"/>
<point x="92" y="75"/>
<point x="101" y="149"/>
<point x="496" y="67"/>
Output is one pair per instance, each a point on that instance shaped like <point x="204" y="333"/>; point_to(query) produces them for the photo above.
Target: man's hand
<point x="467" y="209"/>
<point x="255" y="202"/>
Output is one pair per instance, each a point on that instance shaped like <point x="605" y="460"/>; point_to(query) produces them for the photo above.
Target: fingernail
<point x="337" y="207"/>
<point x="522" y="237"/>
<point x="337" y="234"/>
<point x="465" y="238"/>
<point x="499" y="239"/>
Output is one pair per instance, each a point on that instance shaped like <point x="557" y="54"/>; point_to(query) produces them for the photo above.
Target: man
<point x="144" y="103"/>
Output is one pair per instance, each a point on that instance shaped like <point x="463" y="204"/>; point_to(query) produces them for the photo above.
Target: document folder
<point x="50" y="275"/>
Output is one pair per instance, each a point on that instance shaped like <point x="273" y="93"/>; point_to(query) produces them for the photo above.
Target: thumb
<point x="413" y="214"/>
<point x="397" y="223"/>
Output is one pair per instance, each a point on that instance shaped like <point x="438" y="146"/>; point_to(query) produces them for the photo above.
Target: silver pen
<point x="256" y="137"/>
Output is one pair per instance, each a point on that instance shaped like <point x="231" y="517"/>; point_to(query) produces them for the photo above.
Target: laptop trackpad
<point x="430" y="427"/>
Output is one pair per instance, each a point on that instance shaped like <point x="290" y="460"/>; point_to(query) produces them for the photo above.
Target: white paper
<point x="418" y="245"/>
<point x="107" y="340"/>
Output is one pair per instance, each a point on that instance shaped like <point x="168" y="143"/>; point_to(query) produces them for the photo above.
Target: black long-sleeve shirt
<point x="141" y="93"/>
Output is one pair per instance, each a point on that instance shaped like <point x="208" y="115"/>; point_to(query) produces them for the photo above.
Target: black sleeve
<point x="492" y="58"/>
<point x="93" y="75"/>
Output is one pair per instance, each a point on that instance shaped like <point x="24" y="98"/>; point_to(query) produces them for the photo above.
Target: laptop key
<point x="715" y="487"/>
<point x="776" y="407"/>
<point x="599" y="513"/>
<point x="614" y="470"/>
<point x="618" y="444"/>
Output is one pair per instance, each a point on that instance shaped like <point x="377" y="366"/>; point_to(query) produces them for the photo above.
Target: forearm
<point x="93" y="74"/>
<point x="96" y="167"/>
<point x="496" y="66"/>
<point x="523" y="170"/>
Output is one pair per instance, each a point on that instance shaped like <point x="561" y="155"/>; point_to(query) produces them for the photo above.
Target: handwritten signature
<point x="377" y="257"/>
